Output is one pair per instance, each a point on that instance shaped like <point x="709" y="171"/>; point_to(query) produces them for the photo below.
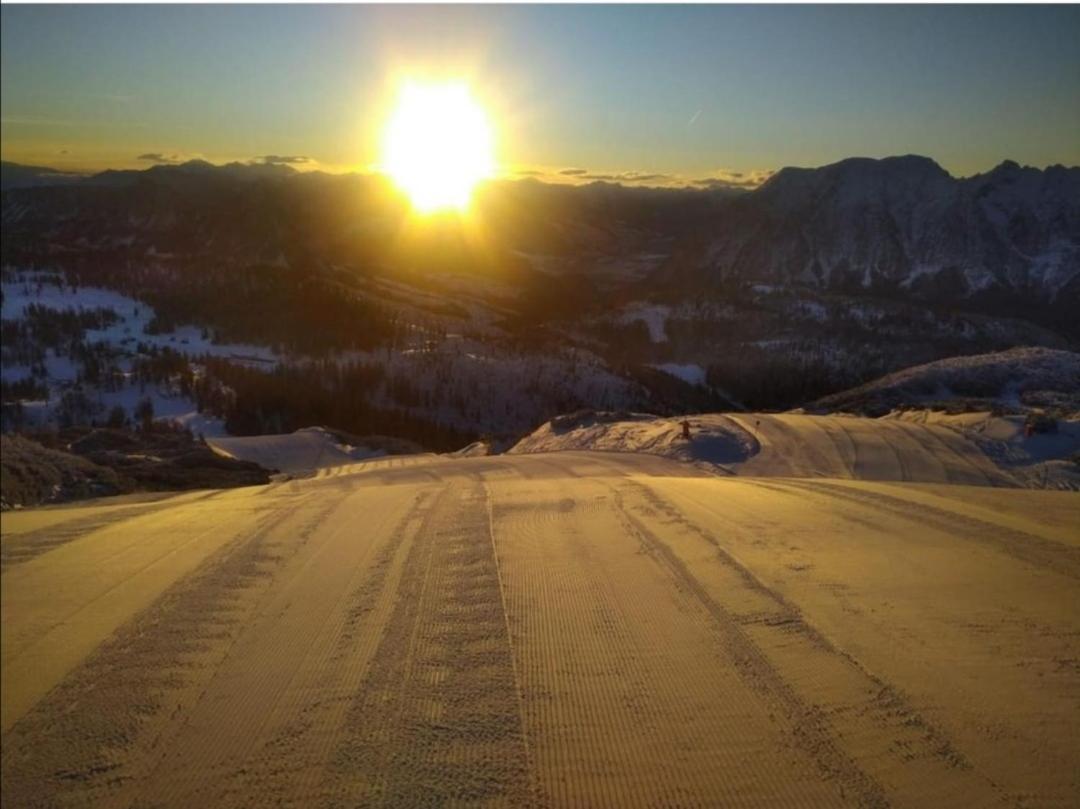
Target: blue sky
<point x="687" y="91"/>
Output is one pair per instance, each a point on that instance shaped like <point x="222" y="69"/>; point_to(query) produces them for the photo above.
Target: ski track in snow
<point x="551" y="629"/>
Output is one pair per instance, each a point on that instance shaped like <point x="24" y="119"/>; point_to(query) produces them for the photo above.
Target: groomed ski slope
<point x="791" y="445"/>
<point x="939" y="450"/>
<point x="552" y="629"/>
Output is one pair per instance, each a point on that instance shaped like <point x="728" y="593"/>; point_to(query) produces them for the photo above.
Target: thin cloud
<point x="723" y="178"/>
<point x="639" y="177"/>
<point x="693" y="118"/>
<point x="159" y="158"/>
<point x="276" y="159"/>
<point x="630" y="177"/>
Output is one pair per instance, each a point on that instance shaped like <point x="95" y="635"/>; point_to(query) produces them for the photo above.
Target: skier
<point x="686" y="429"/>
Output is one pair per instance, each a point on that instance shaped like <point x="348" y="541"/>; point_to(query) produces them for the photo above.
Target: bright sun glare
<point x="437" y="145"/>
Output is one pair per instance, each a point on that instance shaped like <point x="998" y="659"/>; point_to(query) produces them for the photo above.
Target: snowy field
<point x="570" y="628"/>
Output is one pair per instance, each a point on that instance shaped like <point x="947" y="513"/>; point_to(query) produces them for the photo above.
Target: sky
<point x="653" y="94"/>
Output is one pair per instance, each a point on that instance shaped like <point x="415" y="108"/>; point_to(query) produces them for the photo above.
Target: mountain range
<point x="900" y="226"/>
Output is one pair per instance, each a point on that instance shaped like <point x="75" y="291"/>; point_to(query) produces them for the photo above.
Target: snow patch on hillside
<point x="689" y="373"/>
<point x="654" y="316"/>
<point x="124" y="338"/>
<point x="131" y="328"/>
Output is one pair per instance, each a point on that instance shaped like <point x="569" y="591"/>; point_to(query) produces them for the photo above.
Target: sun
<point x="437" y="145"/>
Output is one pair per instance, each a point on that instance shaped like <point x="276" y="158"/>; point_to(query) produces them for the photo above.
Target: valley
<point x="547" y="299"/>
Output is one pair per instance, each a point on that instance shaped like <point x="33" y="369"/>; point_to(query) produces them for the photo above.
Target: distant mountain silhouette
<point x="192" y="171"/>
<point x="17" y="175"/>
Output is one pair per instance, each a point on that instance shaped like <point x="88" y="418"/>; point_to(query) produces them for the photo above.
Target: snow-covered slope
<point x="924" y="446"/>
<point x="930" y="450"/>
<point x="1042" y="460"/>
<point x="1018" y="377"/>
